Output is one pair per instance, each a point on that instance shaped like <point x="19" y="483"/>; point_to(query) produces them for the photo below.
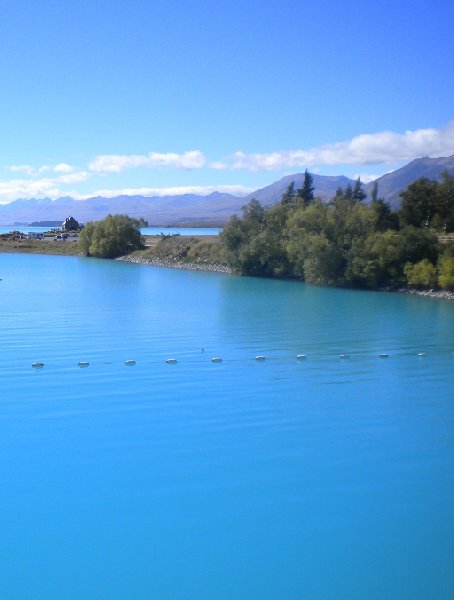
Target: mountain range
<point x="216" y="208"/>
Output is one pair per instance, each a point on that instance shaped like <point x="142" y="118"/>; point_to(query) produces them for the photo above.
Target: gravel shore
<point x="437" y="294"/>
<point x="220" y="268"/>
<point x="177" y="264"/>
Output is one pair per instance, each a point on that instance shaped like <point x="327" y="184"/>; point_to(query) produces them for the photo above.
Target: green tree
<point x="288" y="197"/>
<point x="113" y="236"/>
<point x="415" y="244"/>
<point x="422" y="274"/>
<point x="348" y="193"/>
<point x="247" y="245"/>
<point x="253" y="216"/>
<point x="374" y="192"/>
<point x="446" y="272"/>
<point x="385" y="218"/>
<point x="444" y="219"/>
<point x="306" y="192"/>
<point x="358" y="194"/>
<point x="418" y="203"/>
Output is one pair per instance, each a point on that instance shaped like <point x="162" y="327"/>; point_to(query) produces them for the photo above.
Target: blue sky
<point x="149" y="96"/>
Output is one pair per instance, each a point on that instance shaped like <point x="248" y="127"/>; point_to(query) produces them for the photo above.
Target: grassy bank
<point x="183" y="248"/>
<point x="44" y="246"/>
<point x="175" y="249"/>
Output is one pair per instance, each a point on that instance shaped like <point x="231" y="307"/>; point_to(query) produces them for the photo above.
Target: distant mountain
<point x="157" y="210"/>
<point x="325" y="187"/>
<point x="216" y="207"/>
<point x="391" y="184"/>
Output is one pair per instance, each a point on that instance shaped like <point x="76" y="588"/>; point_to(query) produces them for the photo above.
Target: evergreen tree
<point x="358" y="194"/>
<point x="288" y="197"/>
<point x="374" y="192"/>
<point x="348" y="193"/>
<point x="306" y="193"/>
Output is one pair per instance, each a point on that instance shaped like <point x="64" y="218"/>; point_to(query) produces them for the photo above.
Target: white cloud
<point x="29" y="170"/>
<point x="64" y="168"/>
<point x="202" y="190"/>
<point x="51" y="187"/>
<point x="45" y="187"/>
<point x="34" y="171"/>
<point x="26" y="169"/>
<point x="116" y="163"/>
<point x="364" y="149"/>
<point x="75" y="177"/>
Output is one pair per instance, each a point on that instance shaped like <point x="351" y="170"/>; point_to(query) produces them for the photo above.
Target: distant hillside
<point x="157" y="210"/>
<point x="215" y="208"/>
<point x="325" y="187"/>
<point x="391" y="184"/>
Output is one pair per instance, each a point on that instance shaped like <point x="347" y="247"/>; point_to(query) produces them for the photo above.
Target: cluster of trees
<point x="346" y="242"/>
<point x="114" y="236"/>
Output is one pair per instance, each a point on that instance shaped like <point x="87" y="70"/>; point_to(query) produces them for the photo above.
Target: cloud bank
<point x="61" y="179"/>
<point x="365" y="149"/>
<point x="116" y="163"/>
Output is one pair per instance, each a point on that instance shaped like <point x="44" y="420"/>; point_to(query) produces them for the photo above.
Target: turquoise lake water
<point x="283" y="479"/>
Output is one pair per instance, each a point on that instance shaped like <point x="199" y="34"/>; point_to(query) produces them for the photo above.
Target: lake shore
<point x="169" y="255"/>
<point x="204" y="265"/>
<point x="174" y="263"/>
<point x="437" y="294"/>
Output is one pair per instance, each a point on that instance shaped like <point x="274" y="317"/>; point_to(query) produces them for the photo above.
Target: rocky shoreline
<point x="177" y="264"/>
<point x="220" y="268"/>
<point x="437" y="294"/>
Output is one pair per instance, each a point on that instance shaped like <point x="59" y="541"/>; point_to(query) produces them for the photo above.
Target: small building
<point x="70" y="224"/>
<point x="34" y="235"/>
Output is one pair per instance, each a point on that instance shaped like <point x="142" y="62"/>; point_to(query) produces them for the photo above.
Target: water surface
<point x="318" y="478"/>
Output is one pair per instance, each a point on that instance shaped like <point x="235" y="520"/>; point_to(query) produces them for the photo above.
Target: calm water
<point x="324" y="478"/>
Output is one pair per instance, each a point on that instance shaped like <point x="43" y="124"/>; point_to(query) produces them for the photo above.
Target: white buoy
<point x="37" y="365"/>
<point x="216" y="359"/>
<point x="171" y="361"/>
<point x="130" y="363"/>
<point x="83" y="363"/>
<point x="260" y="357"/>
<point x="300" y="356"/>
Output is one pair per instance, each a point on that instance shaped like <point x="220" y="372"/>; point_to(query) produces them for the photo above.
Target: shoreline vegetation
<point x="195" y="253"/>
<point x="342" y="243"/>
<point x="347" y="243"/>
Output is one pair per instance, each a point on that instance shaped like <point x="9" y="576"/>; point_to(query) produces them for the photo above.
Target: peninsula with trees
<point x="347" y="243"/>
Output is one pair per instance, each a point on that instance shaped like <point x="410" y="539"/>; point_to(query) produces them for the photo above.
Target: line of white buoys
<point x="218" y="359"/>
